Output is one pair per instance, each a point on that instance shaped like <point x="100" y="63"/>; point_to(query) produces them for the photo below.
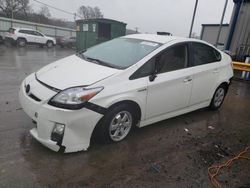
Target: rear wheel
<point x="116" y="124"/>
<point x="21" y="42"/>
<point x="49" y="44"/>
<point x="218" y="97"/>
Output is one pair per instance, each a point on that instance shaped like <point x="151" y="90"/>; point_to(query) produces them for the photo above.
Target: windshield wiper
<point x="99" y="62"/>
<point x="81" y="55"/>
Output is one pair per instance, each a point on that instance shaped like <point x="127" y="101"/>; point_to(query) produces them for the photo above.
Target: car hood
<point x="73" y="71"/>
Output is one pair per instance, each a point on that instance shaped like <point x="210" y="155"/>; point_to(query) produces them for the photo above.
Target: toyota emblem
<point x="27" y="89"/>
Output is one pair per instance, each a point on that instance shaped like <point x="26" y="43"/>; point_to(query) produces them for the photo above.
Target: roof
<point x="215" y="24"/>
<point x="152" y="37"/>
<point x="163" y="39"/>
<point x="18" y="28"/>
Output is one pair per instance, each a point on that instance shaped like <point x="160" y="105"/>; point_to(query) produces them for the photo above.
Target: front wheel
<point x="116" y="124"/>
<point x="50" y="44"/>
<point x="218" y="97"/>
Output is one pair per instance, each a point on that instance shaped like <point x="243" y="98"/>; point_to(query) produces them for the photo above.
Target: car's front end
<point x="56" y="127"/>
<point x="51" y="39"/>
<point x="64" y="117"/>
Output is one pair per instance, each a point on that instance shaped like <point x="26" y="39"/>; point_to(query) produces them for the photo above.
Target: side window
<point x="22" y="31"/>
<point x="145" y="70"/>
<point x="33" y="33"/>
<point x="37" y="33"/>
<point x="204" y="54"/>
<point x="26" y="32"/>
<point x="174" y="58"/>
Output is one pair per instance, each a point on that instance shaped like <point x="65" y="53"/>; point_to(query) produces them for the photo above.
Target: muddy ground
<point x="160" y="155"/>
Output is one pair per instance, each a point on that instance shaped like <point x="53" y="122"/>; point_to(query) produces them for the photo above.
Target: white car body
<point x="170" y="94"/>
<point x="31" y="36"/>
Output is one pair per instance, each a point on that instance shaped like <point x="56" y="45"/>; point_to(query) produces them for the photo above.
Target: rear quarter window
<point x="204" y="54"/>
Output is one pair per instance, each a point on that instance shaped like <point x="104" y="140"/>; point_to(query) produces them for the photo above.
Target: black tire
<point x="49" y="44"/>
<point x="103" y="129"/>
<point x="218" y="98"/>
<point x="21" y="42"/>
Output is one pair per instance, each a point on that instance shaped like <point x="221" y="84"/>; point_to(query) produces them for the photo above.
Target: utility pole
<point x="191" y="28"/>
<point x="221" y="22"/>
<point x="12" y="13"/>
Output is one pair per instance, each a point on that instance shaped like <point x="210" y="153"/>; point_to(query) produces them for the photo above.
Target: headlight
<point x="74" y="98"/>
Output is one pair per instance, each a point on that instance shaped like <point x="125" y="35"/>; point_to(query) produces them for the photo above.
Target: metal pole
<point x="12" y="13"/>
<point x="191" y="28"/>
<point x="221" y="22"/>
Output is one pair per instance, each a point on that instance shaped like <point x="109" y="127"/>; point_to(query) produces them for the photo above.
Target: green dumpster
<point x="94" y="31"/>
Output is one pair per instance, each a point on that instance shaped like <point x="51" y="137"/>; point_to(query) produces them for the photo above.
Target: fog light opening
<point x="57" y="133"/>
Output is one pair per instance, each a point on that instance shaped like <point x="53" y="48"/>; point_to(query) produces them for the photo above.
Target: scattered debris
<point x="155" y="168"/>
<point x="222" y="150"/>
<point x="211" y="127"/>
<point x="6" y="102"/>
<point x="19" y="109"/>
<point x="220" y="155"/>
<point x="185" y="129"/>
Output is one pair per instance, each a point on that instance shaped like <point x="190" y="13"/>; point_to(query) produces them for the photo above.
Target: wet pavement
<point x="160" y="155"/>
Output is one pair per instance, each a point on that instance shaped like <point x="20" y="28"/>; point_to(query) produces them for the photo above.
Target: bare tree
<point x="89" y="12"/>
<point x="98" y="13"/>
<point x="8" y="7"/>
<point x="44" y="11"/>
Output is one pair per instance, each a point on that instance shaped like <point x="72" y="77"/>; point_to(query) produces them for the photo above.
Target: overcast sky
<point x="149" y="15"/>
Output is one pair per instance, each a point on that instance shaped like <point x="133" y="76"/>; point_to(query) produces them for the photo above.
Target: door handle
<point x="187" y="79"/>
<point x="215" y="70"/>
<point x="141" y="90"/>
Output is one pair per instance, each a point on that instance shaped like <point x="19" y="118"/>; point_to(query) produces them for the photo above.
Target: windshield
<point x="120" y="53"/>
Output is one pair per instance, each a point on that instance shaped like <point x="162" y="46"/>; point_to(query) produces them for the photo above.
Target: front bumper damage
<point x="79" y="124"/>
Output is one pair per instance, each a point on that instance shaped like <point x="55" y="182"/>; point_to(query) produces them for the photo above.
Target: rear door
<point x="205" y="65"/>
<point x="171" y="89"/>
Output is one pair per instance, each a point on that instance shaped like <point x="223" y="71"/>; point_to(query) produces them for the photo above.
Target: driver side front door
<point x="171" y="89"/>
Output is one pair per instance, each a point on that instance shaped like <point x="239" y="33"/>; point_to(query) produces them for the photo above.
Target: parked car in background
<point x="23" y="36"/>
<point x="135" y="80"/>
<point x="69" y="42"/>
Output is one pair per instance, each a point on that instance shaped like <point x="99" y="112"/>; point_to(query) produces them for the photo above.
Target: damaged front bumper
<point x="79" y="124"/>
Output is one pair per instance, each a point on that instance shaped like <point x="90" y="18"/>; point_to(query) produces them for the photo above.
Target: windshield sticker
<point x="149" y="43"/>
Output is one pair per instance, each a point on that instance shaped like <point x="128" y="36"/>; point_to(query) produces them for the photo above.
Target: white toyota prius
<point x="130" y="81"/>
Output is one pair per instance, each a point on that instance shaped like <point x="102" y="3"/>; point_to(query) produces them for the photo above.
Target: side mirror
<point x="152" y="77"/>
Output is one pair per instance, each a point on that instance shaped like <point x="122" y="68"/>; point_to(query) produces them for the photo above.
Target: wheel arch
<point x="49" y="40"/>
<point x="131" y="103"/>
<point x="224" y="83"/>
<point x="18" y="38"/>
